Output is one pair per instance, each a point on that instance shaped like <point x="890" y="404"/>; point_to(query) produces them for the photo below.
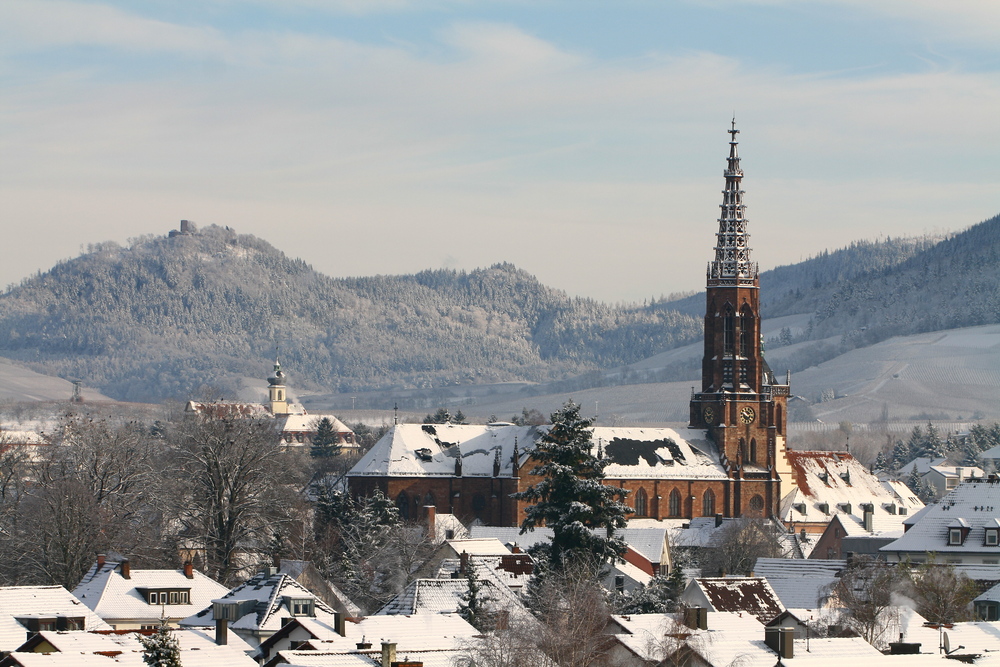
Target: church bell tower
<point x="741" y="404"/>
<point x="277" y="392"/>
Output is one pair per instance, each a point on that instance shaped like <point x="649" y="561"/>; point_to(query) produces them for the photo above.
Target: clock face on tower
<point x="747" y="415"/>
<point x="709" y="414"/>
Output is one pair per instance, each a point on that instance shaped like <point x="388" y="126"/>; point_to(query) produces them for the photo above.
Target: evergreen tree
<point x="916" y="442"/>
<point x="881" y="462"/>
<point x="161" y="649"/>
<point x="326" y="442"/>
<point x="934" y="447"/>
<point x="474" y="605"/>
<point x="659" y="596"/>
<point x="571" y="498"/>
<point x="901" y="454"/>
<point x="442" y="416"/>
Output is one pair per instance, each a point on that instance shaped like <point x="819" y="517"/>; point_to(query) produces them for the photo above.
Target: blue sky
<point x="583" y="141"/>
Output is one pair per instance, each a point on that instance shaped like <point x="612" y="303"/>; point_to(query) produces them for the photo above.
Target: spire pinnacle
<point x="732" y="264"/>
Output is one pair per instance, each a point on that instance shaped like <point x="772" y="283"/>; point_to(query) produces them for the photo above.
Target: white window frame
<point x="954" y="536"/>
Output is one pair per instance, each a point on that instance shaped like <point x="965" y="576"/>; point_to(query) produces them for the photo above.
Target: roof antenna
<point x="395" y="414"/>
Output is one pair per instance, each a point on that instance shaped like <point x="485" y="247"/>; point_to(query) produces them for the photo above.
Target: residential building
<point x="129" y="599"/>
<point x="749" y="595"/>
<point x="26" y="610"/>
<point x="962" y="527"/>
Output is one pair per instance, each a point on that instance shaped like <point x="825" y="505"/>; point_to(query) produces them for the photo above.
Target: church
<point x="731" y="459"/>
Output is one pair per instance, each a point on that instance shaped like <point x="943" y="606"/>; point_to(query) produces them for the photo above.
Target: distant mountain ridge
<point x="165" y="316"/>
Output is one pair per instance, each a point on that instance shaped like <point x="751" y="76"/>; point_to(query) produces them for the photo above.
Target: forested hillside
<point x="951" y="284"/>
<point x="783" y="287"/>
<point x="165" y="316"/>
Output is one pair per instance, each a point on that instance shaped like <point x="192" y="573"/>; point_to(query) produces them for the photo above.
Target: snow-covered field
<point x="20" y="384"/>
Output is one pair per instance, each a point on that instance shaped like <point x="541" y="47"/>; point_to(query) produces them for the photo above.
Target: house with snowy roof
<point x="431" y="639"/>
<point x="829" y="484"/>
<point x="128" y="598"/>
<point x="26" y="610"/>
<point x="801" y="584"/>
<point x="260" y="606"/>
<point x="198" y="647"/>
<point x="962" y="527"/>
<point x="748" y="595"/>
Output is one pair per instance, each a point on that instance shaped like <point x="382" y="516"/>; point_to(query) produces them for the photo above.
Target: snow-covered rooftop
<point x="751" y="595"/>
<point x="977" y="503"/>
<point x="113" y="597"/>
<point x="831" y="483"/>
<point x="800" y="583"/>
<point x="432" y="450"/>
<point x="42" y="602"/>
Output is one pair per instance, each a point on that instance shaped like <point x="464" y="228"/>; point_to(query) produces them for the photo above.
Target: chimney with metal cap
<point x="126" y="570"/>
<point x="188" y="569"/>
<point x="221" y="631"/>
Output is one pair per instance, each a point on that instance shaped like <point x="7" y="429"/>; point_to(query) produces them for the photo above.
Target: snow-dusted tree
<point x="659" y="596"/>
<point x="475" y="606"/>
<point x="942" y="595"/>
<point x="901" y="454"/>
<point x="571" y="498"/>
<point x="326" y="442"/>
<point x="865" y="593"/>
<point x="161" y="648"/>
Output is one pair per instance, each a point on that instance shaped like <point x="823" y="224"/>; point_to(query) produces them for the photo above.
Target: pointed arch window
<point x="708" y="503"/>
<point x="675" y="503"/>
<point x="753" y="450"/>
<point x="403" y="503"/>
<point x="641" y="503"/>
<point x="727" y="331"/>
<point x="746" y="331"/>
<point x="743" y="449"/>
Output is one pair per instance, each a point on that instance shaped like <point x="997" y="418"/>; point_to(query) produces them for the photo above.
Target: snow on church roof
<point x="430" y="450"/>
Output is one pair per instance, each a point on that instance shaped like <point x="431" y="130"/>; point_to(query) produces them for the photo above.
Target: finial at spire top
<point x="733" y="131"/>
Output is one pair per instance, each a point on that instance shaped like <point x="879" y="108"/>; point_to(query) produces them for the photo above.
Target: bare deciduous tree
<point x="866" y="592"/>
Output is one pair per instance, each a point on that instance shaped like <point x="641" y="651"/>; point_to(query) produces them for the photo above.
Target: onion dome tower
<point x="740" y="403"/>
<point x="277" y="393"/>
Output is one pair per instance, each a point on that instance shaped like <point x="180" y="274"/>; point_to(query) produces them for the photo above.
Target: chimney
<point x="100" y="561"/>
<point x="696" y="618"/>
<point x="221" y="631"/>
<point x="718" y="520"/>
<point x="463" y="561"/>
<point x="781" y="641"/>
<point x="869" y="520"/>
<point x="958" y="471"/>
<point x="388" y="653"/>
<point x="188" y="569"/>
<point x="339" y="619"/>
<point x="276" y="561"/>
<point x="431" y="522"/>
<point x="126" y="570"/>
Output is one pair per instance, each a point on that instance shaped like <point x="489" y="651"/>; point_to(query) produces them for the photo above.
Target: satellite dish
<point x="947" y="644"/>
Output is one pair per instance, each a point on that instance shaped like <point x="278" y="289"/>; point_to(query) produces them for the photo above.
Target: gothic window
<point x="746" y="331"/>
<point x="429" y="500"/>
<point x="727" y="372"/>
<point x="478" y="503"/>
<point x="743" y="449"/>
<point x="675" y="503"/>
<point x="641" y="501"/>
<point x="757" y="504"/>
<point x="753" y="450"/>
<point x="403" y="503"/>
<point x="727" y="332"/>
<point x="743" y="372"/>
<point x="708" y="503"/>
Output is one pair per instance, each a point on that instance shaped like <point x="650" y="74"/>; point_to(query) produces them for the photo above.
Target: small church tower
<point x="741" y="404"/>
<point x="277" y="393"/>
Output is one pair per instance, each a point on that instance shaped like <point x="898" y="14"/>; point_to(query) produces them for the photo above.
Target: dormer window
<point x="166" y="596"/>
<point x="991" y="538"/>
<point x="302" y="606"/>
<point x="958" y="530"/>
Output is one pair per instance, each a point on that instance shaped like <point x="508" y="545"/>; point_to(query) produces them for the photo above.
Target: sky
<point x="582" y="141"/>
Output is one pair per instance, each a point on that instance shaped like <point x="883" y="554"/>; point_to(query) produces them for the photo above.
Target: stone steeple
<point x="732" y="265"/>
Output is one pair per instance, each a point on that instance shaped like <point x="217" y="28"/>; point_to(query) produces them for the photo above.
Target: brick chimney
<point x="339" y="624"/>
<point x="388" y="653"/>
<point x="188" y="569"/>
<point x="431" y="522"/>
<point x="100" y="561"/>
<point x="463" y="563"/>
<point x="126" y="570"/>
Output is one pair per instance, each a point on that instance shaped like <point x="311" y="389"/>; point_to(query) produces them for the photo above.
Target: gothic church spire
<point x="732" y="265"/>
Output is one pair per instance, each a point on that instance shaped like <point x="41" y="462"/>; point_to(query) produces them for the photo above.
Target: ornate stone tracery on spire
<point x="732" y="265"/>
